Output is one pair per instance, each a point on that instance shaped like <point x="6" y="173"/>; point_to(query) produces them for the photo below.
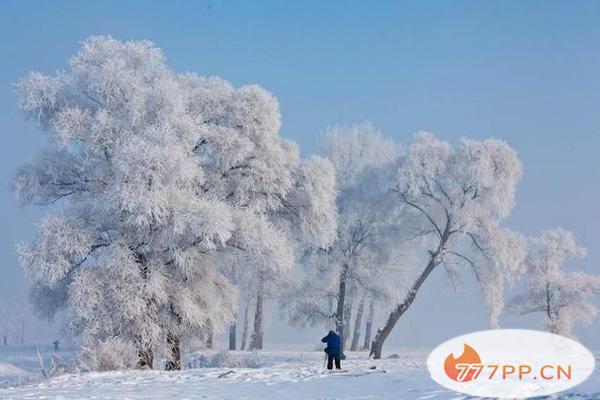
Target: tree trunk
<point x="145" y="354"/>
<point x="145" y="351"/>
<point x="232" y="332"/>
<point x="369" y="326"/>
<point x="383" y="333"/>
<point x="330" y="313"/>
<point x="357" y="324"/>
<point x="256" y="341"/>
<point x="339" y="313"/>
<point x="209" y="334"/>
<point x="435" y="259"/>
<point x="347" y="321"/>
<point x="245" y="327"/>
<point x="173" y="362"/>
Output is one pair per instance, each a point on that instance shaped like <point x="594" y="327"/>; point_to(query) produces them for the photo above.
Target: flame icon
<point x="455" y="367"/>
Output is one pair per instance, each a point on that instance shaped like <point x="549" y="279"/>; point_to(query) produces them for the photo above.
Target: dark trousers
<point x="330" y="360"/>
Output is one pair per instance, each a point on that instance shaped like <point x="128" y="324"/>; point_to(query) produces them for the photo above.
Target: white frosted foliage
<point x="157" y="175"/>
<point x="562" y="296"/>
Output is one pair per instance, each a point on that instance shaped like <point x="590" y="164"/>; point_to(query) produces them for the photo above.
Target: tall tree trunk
<point x="209" y="334"/>
<point x="256" y="341"/>
<point x="245" y="327"/>
<point x="339" y="313"/>
<point x="347" y="321"/>
<point x="383" y="333"/>
<point x="173" y="362"/>
<point x="232" y="334"/>
<point x="330" y="313"/>
<point x="357" y="324"/>
<point x="369" y="326"/>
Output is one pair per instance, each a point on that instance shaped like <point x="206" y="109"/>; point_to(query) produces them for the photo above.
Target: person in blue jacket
<point x="333" y="349"/>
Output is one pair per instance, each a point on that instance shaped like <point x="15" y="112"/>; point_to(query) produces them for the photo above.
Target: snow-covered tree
<point x="127" y="253"/>
<point x="157" y="173"/>
<point x="362" y="158"/>
<point x="563" y="297"/>
<point x="453" y="200"/>
<point x="281" y="201"/>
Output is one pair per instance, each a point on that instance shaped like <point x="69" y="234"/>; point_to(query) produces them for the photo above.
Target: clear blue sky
<point x="524" y="71"/>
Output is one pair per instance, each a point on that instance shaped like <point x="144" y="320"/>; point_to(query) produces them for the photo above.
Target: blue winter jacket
<point x="334" y="344"/>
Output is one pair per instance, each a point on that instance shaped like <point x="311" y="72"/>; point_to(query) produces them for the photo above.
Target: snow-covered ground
<point x="274" y="375"/>
<point x="11" y="373"/>
<point x="21" y="365"/>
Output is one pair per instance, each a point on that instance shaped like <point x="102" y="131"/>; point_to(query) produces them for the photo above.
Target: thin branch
<point x="468" y="260"/>
<point x="405" y="200"/>
<point x="443" y="191"/>
<point x="479" y="246"/>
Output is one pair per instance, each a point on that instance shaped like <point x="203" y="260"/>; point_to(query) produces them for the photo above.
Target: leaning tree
<point x="155" y="173"/>
<point x="453" y="199"/>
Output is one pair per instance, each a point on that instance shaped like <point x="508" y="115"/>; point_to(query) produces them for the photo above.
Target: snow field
<point x="282" y="375"/>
